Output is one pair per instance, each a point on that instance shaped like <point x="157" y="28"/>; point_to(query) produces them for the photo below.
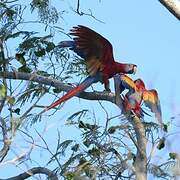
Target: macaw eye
<point x="135" y="69"/>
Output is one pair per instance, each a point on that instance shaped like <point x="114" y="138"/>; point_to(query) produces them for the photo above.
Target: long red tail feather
<point x="85" y="84"/>
<point x="67" y="96"/>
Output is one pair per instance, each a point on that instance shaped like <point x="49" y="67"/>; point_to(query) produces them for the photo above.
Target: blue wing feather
<point x="72" y="46"/>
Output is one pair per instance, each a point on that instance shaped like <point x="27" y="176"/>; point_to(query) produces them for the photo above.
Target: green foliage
<point x="17" y="111"/>
<point x="25" y="69"/>
<point x="55" y="90"/>
<point x="40" y="52"/>
<point x="25" y="34"/>
<point x="9" y="17"/>
<point x="161" y="144"/>
<point x="113" y="129"/>
<point x="20" y="58"/>
<point x="2" y="91"/>
<point x="77" y="67"/>
<point x="33" y="91"/>
<point x="173" y="156"/>
<point x="78" y="115"/>
<point x="75" y="148"/>
<point x="63" y="146"/>
<point x="158" y="171"/>
<point x="69" y="175"/>
<point x="70" y="161"/>
<point x="50" y="46"/>
<point x="31" y="119"/>
<point x="95" y="152"/>
<point x="87" y="126"/>
<point x="165" y="127"/>
<point x="43" y="73"/>
<point x="10" y="99"/>
<point x="46" y="12"/>
<point x="39" y="4"/>
<point x="35" y="43"/>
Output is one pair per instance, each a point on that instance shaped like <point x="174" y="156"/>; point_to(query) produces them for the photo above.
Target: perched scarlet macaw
<point x="138" y="93"/>
<point x="98" y="56"/>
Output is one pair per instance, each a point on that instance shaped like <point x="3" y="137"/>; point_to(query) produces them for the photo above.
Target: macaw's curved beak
<point x="135" y="69"/>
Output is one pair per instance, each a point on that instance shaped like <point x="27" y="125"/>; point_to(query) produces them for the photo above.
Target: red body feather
<point x="138" y="93"/>
<point x="98" y="54"/>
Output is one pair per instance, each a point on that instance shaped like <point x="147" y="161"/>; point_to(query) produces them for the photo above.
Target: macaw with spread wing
<point x="138" y="93"/>
<point x="97" y="53"/>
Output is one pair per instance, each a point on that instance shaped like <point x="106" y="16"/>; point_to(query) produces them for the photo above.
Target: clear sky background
<point x="141" y="32"/>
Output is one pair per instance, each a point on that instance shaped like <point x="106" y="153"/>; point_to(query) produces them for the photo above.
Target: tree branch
<point x="86" y="14"/>
<point x="57" y="84"/>
<point x="173" y="6"/>
<point x="6" y="140"/>
<point x="140" y="163"/>
<point x="141" y="159"/>
<point x="3" y="62"/>
<point x="117" y="90"/>
<point x="37" y="170"/>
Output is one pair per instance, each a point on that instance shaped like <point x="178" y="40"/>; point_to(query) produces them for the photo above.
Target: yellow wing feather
<point x="128" y="82"/>
<point x="151" y="100"/>
<point x="150" y="96"/>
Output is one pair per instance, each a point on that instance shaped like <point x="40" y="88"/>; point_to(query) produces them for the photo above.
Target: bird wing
<point x="97" y="50"/>
<point x="127" y="83"/>
<point x="151" y="100"/>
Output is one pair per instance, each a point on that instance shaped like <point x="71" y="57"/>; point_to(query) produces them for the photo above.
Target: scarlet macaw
<point x="97" y="53"/>
<point x="138" y="93"/>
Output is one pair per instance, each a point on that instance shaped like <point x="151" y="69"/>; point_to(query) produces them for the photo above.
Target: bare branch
<point x="141" y="157"/>
<point x="37" y="170"/>
<point x="57" y="84"/>
<point x="19" y="157"/>
<point x="6" y="140"/>
<point x="117" y="89"/>
<point x="3" y="61"/>
<point x="173" y="6"/>
<point x="86" y="14"/>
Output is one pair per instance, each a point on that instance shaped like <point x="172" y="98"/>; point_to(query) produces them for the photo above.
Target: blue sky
<point x="141" y="32"/>
<point x="144" y="33"/>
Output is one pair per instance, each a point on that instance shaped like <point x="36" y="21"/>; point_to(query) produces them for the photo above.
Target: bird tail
<point x="84" y="85"/>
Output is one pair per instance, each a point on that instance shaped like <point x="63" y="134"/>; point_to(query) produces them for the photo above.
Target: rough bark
<point x="141" y="157"/>
<point x="117" y="89"/>
<point x="173" y="6"/>
<point x="6" y="140"/>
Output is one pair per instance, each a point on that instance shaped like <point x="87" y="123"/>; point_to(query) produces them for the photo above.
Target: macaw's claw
<point x="107" y="91"/>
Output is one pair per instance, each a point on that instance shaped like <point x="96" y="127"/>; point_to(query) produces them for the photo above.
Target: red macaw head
<point x="126" y="68"/>
<point x="131" y="69"/>
<point x="140" y="84"/>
